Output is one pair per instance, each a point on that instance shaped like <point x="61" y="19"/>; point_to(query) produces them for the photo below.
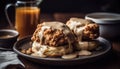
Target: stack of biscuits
<point x="57" y="39"/>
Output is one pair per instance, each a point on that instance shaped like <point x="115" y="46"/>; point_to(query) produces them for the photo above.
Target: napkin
<point x="8" y="58"/>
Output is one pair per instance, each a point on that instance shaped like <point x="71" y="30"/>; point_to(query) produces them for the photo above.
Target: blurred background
<point x="65" y="6"/>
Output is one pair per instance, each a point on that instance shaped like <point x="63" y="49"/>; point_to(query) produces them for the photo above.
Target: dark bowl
<point x="7" y="38"/>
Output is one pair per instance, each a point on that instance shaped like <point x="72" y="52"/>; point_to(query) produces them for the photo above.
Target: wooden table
<point x="111" y="61"/>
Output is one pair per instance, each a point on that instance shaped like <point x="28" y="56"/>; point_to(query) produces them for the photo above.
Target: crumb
<point x="28" y="51"/>
<point x="23" y="51"/>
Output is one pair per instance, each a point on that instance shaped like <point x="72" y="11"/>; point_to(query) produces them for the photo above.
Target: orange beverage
<point x="26" y="20"/>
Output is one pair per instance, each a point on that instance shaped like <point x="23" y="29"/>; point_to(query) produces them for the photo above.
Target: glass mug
<point x="27" y="16"/>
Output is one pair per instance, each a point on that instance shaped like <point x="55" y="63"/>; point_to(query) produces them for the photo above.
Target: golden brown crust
<point x="91" y="32"/>
<point x="34" y="37"/>
<point x="53" y="37"/>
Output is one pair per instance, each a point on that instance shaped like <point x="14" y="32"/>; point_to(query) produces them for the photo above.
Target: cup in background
<point x="26" y="20"/>
<point x="109" y="24"/>
<point x="27" y="16"/>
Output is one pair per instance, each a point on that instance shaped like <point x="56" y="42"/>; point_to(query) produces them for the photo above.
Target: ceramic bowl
<point x="7" y="38"/>
<point x="109" y="24"/>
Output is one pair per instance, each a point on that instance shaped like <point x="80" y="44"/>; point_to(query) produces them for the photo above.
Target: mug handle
<point x="6" y="13"/>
